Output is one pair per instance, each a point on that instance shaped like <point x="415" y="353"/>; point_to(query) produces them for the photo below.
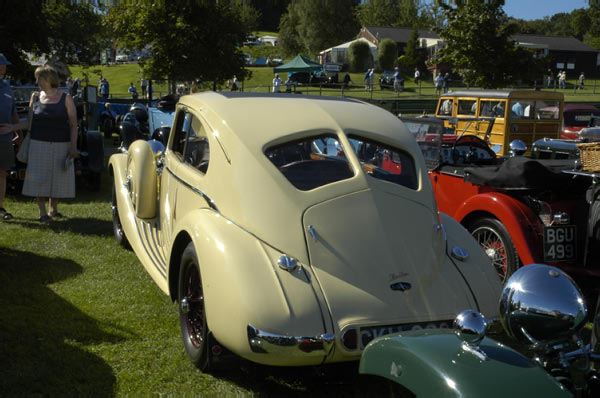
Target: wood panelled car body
<point x="266" y="221"/>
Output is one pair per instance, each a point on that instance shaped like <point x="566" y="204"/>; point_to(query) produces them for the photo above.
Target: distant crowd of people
<point x="561" y="79"/>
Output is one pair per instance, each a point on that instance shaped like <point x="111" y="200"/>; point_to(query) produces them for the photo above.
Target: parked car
<point x="575" y="118"/>
<point x="282" y="242"/>
<point x="518" y="115"/>
<point x="386" y="80"/>
<point x="122" y="58"/>
<point x="308" y="78"/>
<point x="520" y="210"/>
<point x="541" y="309"/>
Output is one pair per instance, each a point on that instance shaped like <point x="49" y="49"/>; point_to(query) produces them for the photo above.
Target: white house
<point x="339" y="54"/>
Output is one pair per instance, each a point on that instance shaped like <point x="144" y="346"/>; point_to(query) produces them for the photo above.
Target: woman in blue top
<point x="53" y="144"/>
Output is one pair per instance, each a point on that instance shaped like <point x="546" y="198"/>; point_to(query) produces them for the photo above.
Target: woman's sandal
<point x="56" y="215"/>
<point x="4" y="214"/>
<point x="45" y="218"/>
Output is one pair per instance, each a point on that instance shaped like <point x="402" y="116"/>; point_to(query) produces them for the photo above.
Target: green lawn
<point x="79" y="316"/>
<point x="261" y="80"/>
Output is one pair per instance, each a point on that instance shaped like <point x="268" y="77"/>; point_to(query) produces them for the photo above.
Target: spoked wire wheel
<point x="497" y="245"/>
<point x="192" y="314"/>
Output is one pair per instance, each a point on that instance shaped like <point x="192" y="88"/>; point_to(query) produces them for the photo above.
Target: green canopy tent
<point x="298" y="64"/>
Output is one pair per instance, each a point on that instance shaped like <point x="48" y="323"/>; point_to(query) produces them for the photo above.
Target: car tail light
<point x="350" y="339"/>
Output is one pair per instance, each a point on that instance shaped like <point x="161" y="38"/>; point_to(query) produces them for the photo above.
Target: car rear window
<point x="385" y="162"/>
<point x="311" y="162"/>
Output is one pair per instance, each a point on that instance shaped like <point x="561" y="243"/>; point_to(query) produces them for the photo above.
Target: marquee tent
<point x="298" y="64"/>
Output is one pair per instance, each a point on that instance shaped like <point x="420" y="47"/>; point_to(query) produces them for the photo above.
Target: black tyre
<point x="117" y="227"/>
<point x="595" y="340"/>
<point x="493" y="237"/>
<point x="192" y="316"/>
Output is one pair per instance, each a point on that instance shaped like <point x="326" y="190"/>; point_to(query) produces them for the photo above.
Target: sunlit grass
<point x="79" y="316"/>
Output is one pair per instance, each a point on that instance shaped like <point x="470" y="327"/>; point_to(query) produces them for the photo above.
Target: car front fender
<point x="476" y="269"/>
<point x="434" y="363"/>
<point x="520" y="221"/>
<point x="244" y="286"/>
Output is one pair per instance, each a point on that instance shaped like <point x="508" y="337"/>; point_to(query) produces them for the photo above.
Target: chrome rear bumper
<point x="262" y="342"/>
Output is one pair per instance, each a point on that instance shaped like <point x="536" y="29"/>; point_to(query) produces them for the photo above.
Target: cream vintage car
<point x="269" y="220"/>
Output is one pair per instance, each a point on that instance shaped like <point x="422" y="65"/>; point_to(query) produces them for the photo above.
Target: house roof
<point x="399" y="35"/>
<point x="348" y="44"/>
<point x="556" y="43"/>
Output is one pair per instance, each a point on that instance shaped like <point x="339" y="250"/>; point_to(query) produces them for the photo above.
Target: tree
<point x="55" y="29"/>
<point x="392" y="13"/>
<point x="319" y="24"/>
<point x="378" y="13"/>
<point x="478" y="47"/>
<point x="411" y="50"/>
<point x="359" y="55"/>
<point x="250" y="17"/>
<point x="288" y="34"/>
<point x="387" y="54"/>
<point x="188" y="40"/>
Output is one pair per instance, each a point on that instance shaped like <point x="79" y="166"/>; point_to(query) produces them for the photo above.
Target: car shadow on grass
<point x="334" y="380"/>
<point x="76" y="225"/>
<point x="42" y="334"/>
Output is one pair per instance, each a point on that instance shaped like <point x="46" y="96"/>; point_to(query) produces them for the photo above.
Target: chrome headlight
<point x="541" y="304"/>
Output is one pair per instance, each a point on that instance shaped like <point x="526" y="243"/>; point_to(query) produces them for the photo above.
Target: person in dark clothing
<point x="347" y="80"/>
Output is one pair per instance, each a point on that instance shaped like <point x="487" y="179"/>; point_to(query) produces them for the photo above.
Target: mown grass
<point x="79" y="316"/>
<point x="261" y="80"/>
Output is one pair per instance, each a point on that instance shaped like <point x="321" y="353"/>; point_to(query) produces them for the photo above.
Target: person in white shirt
<point x="417" y="75"/>
<point x="277" y="84"/>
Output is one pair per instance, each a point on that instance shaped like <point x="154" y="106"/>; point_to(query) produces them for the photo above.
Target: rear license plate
<point x="560" y="243"/>
<point x="369" y="333"/>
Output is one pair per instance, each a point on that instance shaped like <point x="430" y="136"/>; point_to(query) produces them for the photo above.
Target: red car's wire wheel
<point x="194" y="301"/>
<point x="497" y="245"/>
<point x="494" y="248"/>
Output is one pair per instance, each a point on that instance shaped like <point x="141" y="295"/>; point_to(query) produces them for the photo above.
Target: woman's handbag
<point x="23" y="153"/>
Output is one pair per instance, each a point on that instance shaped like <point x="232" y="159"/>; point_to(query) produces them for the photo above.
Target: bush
<point x="387" y="54"/>
<point x="359" y="55"/>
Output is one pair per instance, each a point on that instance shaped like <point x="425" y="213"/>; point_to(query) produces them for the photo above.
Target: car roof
<point x="526" y="94"/>
<point x="261" y="119"/>
<point x="580" y="107"/>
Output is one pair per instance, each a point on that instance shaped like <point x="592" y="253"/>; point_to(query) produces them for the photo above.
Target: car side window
<point x="467" y="107"/>
<point x="180" y="132"/>
<point x="445" y="108"/>
<point x="522" y="109"/>
<point x="548" y="110"/>
<point x="491" y="109"/>
<point x="197" y="150"/>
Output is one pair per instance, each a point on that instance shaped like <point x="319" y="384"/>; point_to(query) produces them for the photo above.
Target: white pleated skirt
<point x="46" y="176"/>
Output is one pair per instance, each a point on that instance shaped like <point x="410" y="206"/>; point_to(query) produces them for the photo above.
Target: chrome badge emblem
<point x="401" y="286"/>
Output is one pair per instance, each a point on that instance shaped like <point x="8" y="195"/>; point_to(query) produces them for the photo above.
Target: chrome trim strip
<point x="210" y="202"/>
<point x="262" y="342"/>
<point x="150" y="255"/>
<point x="152" y="248"/>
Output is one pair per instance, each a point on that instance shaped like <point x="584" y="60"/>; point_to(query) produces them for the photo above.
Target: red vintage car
<point x="575" y="118"/>
<point x="520" y="210"/>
